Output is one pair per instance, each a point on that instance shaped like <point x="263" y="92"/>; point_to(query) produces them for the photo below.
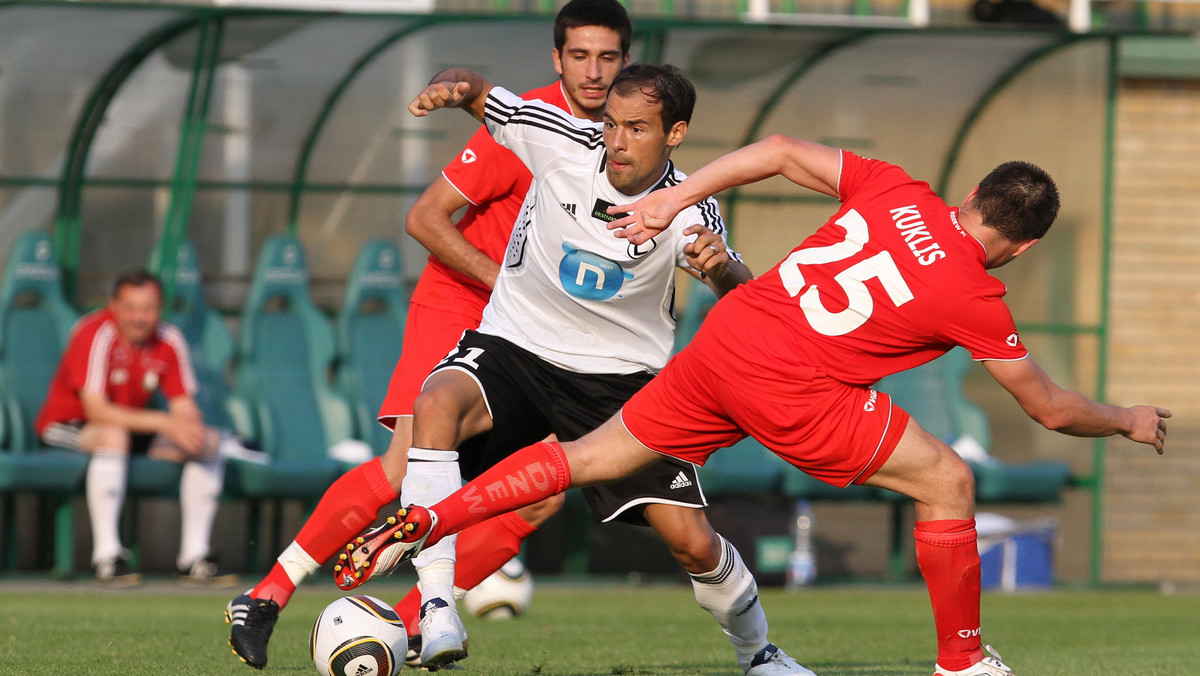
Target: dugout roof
<point x="127" y="128"/>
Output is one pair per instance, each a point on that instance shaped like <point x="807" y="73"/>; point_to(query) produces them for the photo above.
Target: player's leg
<point x="200" y="486"/>
<point x="105" y="484"/>
<point x="450" y="409"/>
<point x="927" y="470"/>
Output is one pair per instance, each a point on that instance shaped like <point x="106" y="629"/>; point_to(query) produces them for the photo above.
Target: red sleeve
<point x="482" y="172"/>
<point x="85" y="363"/>
<point x="179" y="378"/>
<point x="860" y="173"/>
<point x="985" y="327"/>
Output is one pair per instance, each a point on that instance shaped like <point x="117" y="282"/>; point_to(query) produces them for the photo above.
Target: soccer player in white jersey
<point x="577" y="323"/>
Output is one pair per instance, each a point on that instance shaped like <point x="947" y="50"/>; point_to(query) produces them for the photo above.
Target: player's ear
<point x="556" y="57"/>
<point x="676" y="133"/>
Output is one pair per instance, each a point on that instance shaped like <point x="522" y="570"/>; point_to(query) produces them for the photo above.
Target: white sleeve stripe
<point x="172" y="336"/>
<point x="459" y="190"/>
<point x="97" y="362"/>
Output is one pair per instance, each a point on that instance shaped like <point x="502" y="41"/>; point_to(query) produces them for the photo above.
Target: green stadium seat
<point x="284" y="350"/>
<point x="35" y="323"/>
<point x="370" y="332"/>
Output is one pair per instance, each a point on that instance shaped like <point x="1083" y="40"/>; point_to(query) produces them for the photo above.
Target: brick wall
<point x="1152" y="515"/>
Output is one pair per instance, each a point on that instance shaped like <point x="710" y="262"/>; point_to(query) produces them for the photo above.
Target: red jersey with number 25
<point x="890" y="282"/>
<point x="99" y="360"/>
<point x="495" y="182"/>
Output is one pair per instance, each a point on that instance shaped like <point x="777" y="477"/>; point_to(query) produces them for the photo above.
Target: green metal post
<point x="1106" y="233"/>
<point x="191" y="143"/>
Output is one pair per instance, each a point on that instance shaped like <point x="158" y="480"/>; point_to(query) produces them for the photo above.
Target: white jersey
<point x="569" y="290"/>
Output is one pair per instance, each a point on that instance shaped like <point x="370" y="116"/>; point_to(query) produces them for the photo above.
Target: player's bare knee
<point x="106" y="436"/>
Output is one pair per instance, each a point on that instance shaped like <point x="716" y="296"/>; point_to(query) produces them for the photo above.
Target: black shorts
<point x="530" y="398"/>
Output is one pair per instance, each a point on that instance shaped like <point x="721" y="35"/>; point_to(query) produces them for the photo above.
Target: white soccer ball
<point x="504" y="594"/>
<point x="358" y="636"/>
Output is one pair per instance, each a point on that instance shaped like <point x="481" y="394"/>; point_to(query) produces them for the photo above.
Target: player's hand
<point x="1149" y="426"/>
<point x="187" y="430"/>
<point x="708" y="253"/>
<point x="438" y="95"/>
<point x="647" y="217"/>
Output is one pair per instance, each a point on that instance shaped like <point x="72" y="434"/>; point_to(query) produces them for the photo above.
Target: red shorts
<point x="430" y="333"/>
<point x="838" y="433"/>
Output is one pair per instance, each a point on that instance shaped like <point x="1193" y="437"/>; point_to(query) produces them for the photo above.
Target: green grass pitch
<point x="607" y="629"/>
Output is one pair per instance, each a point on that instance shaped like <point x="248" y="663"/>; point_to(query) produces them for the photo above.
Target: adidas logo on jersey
<point x="680" y="481"/>
<point x="568" y="207"/>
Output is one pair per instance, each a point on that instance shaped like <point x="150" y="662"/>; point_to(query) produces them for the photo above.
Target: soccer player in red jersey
<point x="894" y="279"/>
<point x="591" y="44"/>
<point x="98" y="403"/>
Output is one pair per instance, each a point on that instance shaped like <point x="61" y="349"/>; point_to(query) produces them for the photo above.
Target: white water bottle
<point x="802" y="565"/>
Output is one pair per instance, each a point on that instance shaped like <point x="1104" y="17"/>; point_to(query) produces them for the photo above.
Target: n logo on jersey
<point x="585" y="275"/>
<point x="468" y="156"/>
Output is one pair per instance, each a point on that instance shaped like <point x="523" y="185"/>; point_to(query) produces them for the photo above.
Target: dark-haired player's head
<point x="1019" y="200"/>
<point x="646" y="117"/>
<point x="591" y="45"/>
<point x="665" y="85"/>
<point x="136" y="305"/>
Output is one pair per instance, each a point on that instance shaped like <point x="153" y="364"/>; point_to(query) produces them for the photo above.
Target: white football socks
<point x="199" y="496"/>
<point x="107" y="474"/>
<point x="431" y="477"/>
<point x="730" y="594"/>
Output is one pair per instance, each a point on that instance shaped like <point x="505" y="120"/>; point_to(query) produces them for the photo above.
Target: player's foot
<point x="380" y="550"/>
<point x="412" y="659"/>
<point x="988" y="666"/>
<point x="443" y="638"/>
<point x="253" y="621"/>
<point x="205" y="573"/>
<point x="771" y="661"/>
<point x="115" y="573"/>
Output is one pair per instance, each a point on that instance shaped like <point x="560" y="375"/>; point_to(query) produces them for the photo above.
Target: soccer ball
<point x="504" y="594"/>
<point x="358" y="636"/>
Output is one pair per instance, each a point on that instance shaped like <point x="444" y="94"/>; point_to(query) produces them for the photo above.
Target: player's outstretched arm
<point x="453" y="88"/>
<point x="805" y="163"/>
<point x="1072" y="413"/>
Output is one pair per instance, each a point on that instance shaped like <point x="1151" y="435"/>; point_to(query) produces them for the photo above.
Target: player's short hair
<point x="606" y="13"/>
<point x="664" y="84"/>
<point x="137" y="278"/>
<point x="1019" y="200"/>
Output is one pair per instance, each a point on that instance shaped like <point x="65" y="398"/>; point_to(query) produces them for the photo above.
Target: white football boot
<point x="988" y="666"/>
<point x="771" y="661"/>
<point x="443" y="638"/>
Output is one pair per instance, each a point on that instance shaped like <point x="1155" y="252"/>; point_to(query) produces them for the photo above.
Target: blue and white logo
<point x="588" y="276"/>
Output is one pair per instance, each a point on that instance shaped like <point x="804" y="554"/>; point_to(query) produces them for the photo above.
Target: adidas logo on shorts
<point x="680" y="481"/>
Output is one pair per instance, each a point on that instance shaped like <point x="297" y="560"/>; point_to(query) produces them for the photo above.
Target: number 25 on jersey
<point x="860" y="304"/>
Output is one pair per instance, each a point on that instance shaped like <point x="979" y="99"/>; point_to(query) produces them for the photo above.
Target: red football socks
<point x="948" y="556"/>
<point x="480" y="551"/>
<point x="530" y="475"/>
<point x="347" y="507"/>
